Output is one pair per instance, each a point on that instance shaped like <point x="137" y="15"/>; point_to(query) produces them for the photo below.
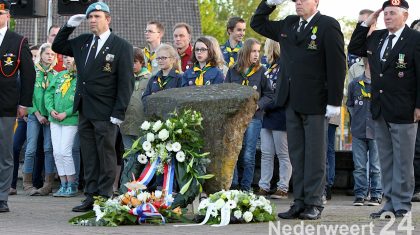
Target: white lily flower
<point x="150" y="137"/>
<point x="231" y="204"/>
<point x="163" y="134"/>
<point x="180" y="156"/>
<point x="158" y="194"/>
<point x="176" y="147"/>
<point x="247" y="216"/>
<point x="145" y="125"/>
<point x="143" y="196"/>
<point x="146" y="146"/>
<point x="156" y="127"/>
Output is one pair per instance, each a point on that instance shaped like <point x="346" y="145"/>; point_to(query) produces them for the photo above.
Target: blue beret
<point x="97" y="6"/>
<point x="395" y="3"/>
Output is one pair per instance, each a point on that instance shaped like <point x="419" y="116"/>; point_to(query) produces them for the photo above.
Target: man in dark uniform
<point x="311" y="88"/>
<point x="393" y="55"/>
<point x="104" y="86"/>
<point x="15" y="61"/>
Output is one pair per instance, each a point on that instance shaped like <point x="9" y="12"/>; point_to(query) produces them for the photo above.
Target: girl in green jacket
<point x="59" y="99"/>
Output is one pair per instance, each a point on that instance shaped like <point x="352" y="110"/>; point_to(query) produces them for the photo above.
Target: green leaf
<point x="206" y="177"/>
<point x="186" y="186"/>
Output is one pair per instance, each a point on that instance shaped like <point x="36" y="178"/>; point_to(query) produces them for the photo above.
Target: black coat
<point x="13" y="93"/>
<point x="101" y="92"/>
<point x="310" y="78"/>
<point x="395" y="89"/>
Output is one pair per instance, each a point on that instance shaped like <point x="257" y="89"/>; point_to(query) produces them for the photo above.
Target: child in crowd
<point x="38" y="121"/>
<point x="205" y="70"/>
<point x="59" y="99"/>
<point x="363" y="142"/>
<point x="249" y="72"/>
<point x="273" y="133"/>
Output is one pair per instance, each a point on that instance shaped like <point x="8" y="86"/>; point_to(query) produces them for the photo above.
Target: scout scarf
<point x="163" y="84"/>
<point x="365" y="93"/>
<point x="149" y="58"/>
<point x="45" y="82"/>
<point x="66" y="84"/>
<point x="272" y="67"/>
<point x="199" y="81"/>
<point x="231" y="51"/>
<point x="251" y="70"/>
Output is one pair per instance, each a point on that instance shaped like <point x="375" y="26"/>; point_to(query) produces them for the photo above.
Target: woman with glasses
<point x="168" y="75"/>
<point x="205" y="70"/>
<point x="248" y="71"/>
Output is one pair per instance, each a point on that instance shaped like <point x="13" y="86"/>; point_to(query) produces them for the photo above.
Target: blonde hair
<point x="172" y="53"/>
<point x="220" y="61"/>
<point x="271" y="50"/>
<point x="41" y="50"/>
<point x="244" y="53"/>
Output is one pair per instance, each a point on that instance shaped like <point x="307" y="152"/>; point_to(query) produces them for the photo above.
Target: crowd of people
<point x="80" y="102"/>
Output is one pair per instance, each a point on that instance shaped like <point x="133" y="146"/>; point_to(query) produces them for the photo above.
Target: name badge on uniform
<point x="109" y="58"/>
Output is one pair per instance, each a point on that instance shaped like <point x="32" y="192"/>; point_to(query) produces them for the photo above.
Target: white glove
<point x="76" y="20"/>
<point x="116" y="121"/>
<point x="274" y="2"/>
<point x="332" y="111"/>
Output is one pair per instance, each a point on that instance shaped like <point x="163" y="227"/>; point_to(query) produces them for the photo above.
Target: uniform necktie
<point x="388" y="47"/>
<point x="302" y="26"/>
<point x="93" y="49"/>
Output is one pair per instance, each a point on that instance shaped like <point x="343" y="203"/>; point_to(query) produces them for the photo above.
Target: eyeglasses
<point x="149" y="31"/>
<point x="162" y="58"/>
<point x="199" y="50"/>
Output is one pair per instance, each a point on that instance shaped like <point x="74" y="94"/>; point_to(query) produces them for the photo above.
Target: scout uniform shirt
<point x="230" y="54"/>
<point x="197" y="76"/>
<point x="60" y="97"/>
<point x="255" y="78"/>
<point x="44" y="77"/>
<point x="159" y="83"/>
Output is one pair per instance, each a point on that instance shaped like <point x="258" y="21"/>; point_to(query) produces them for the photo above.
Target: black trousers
<point x="417" y="163"/>
<point x="306" y="137"/>
<point x="97" y="142"/>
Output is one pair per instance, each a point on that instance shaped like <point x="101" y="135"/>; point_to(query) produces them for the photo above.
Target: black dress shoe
<point x="377" y="215"/>
<point x="86" y="205"/>
<point x="292" y="213"/>
<point x="400" y="213"/>
<point x="310" y="213"/>
<point x="4" y="207"/>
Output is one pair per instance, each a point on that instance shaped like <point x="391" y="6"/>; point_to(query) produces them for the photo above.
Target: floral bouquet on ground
<point x="173" y="148"/>
<point x="135" y="206"/>
<point x="235" y="206"/>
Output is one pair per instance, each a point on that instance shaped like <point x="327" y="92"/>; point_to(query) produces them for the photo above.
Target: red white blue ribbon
<point x="144" y="211"/>
<point x="168" y="176"/>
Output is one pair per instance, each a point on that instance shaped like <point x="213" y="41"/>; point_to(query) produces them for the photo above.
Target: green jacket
<point x="40" y="87"/>
<point x="134" y="115"/>
<point x="56" y="100"/>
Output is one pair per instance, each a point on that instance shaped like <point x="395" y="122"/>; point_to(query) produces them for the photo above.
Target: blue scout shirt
<point x="212" y="76"/>
<point x="233" y="53"/>
<point x="159" y="83"/>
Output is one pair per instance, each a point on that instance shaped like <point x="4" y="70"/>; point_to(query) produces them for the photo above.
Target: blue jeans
<point x="330" y="167"/>
<point x="246" y="159"/>
<point x="18" y="140"/>
<point x="33" y="129"/>
<point x="365" y="150"/>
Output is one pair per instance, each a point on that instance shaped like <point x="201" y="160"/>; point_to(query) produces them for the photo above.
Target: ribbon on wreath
<point x="168" y="176"/>
<point x="225" y="212"/>
<point x="144" y="211"/>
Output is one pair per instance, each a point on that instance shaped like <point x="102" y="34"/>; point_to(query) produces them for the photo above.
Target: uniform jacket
<point x="395" y="83"/>
<point x="314" y="60"/>
<point x="212" y="76"/>
<point x="56" y="100"/>
<point x="12" y="94"/>
<point x="38" y="101"/>
<point x="104" y="87"/>
<point x="227" y="55"/>
<point x="173" y="80"/>
<point x="259" y="82"/>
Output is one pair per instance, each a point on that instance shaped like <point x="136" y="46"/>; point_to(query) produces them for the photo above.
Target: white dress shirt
<point x="2" y="34"/>
<point x="394" y="40"/>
